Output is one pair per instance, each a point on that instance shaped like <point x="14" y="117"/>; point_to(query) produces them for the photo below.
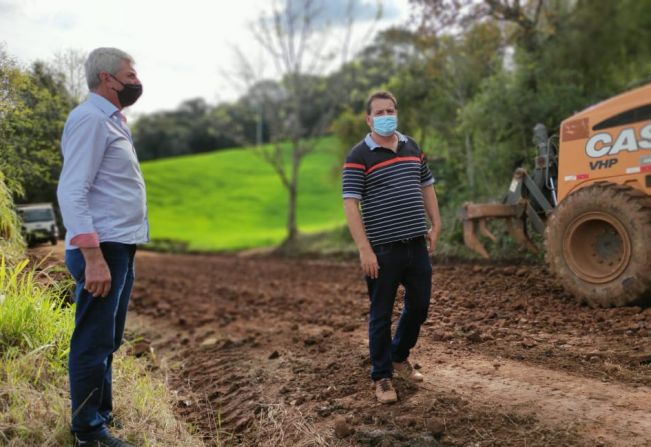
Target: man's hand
<point x="370" y="266"/>
<point x="432" y="208"/>
<point x="432" y="238"/>
<point x="97" y="274"/>
<point x="367" y="257"/>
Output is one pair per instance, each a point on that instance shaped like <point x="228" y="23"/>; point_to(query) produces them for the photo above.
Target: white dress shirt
<point x="101" y="190"/>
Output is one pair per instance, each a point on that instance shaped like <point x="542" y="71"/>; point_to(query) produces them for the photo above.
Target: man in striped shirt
<point x="387" y="175"/>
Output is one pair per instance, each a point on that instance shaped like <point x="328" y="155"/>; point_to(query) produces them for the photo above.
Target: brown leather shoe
<point x="405" y="371"/>
<point x="385" y="392"/>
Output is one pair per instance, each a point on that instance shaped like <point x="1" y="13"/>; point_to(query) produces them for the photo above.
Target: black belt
<point x="408" y="241"/>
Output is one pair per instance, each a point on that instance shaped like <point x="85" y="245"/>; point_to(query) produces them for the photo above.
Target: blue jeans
<point x="99" y="326"/>
<point x="405" y="263"/>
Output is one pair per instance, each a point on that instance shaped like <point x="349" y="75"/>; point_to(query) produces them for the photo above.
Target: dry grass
<point x="280" y="425"/>
<point x="35" y="411"/>
<point x="35" y="327"/>
<point x="145" y="405"/>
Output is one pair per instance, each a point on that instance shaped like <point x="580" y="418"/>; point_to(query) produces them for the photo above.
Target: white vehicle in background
<point x="38" y="223"/>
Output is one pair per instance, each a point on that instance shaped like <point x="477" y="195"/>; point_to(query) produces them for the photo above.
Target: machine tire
<point x="598" y="243"/>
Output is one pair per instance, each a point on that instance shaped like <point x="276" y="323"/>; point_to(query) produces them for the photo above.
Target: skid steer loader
<point x="592" y="200"/>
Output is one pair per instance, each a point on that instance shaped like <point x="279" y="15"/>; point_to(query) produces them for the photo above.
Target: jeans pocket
<point x="76" y="264"/>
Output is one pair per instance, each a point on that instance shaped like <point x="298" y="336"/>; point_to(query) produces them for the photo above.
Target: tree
<point x="33" y="109"/>
<point x="443" y="75"/>
<point x="559" y="61"/>
<point x="194" y="127"/>
<point x="295" y="37"/>
<point x="70" y="63"/>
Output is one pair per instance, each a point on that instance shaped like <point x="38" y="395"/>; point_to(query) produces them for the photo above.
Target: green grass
<point x="232" y="199"/>
<point x="12" y="245"/>
<point x="35" y="328"/>
<point x="32" y="317"/>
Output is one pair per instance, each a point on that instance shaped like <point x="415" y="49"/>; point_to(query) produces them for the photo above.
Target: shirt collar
<point x="372" y="144"/>
<point x="102" y="103"/>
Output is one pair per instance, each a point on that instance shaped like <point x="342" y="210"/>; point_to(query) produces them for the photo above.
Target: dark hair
<point x="382" y="94"/>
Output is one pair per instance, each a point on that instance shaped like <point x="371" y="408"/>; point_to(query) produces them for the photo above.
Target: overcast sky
<point x="182" y="48"/>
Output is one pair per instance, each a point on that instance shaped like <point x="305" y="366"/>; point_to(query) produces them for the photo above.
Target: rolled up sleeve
<point x="82" y="145"/>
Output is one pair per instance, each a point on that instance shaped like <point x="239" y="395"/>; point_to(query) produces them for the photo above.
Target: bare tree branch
<point x="70" y="63"/>
<point x="295" y="36"/>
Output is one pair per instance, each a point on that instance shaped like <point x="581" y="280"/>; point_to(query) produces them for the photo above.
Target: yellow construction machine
<point x="591" y="197"/>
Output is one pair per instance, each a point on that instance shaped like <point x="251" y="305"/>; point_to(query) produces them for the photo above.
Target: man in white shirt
<point x="102" y="198"/>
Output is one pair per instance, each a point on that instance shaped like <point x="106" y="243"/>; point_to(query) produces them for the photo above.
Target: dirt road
<point x="272" y="345"/>
<point x="265" y="351"/>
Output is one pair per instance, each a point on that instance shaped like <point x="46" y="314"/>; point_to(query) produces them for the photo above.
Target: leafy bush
<point x="12" y="246"/>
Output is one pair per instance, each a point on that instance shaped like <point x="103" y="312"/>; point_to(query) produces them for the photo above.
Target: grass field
<point x="232" y="199"/>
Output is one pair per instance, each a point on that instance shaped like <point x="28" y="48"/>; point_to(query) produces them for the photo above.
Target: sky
<point x="183" y="49"/>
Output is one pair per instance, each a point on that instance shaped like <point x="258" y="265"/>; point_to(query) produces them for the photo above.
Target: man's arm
<point x="83" y="150"/>
<point x="432" y="209"/>
<point x="367" y="256"/>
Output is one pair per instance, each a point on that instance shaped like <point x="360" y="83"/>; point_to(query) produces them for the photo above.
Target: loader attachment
<point x="517" y="230"/>
<point x="526" y="204"/>
<point x="475" y="216"/>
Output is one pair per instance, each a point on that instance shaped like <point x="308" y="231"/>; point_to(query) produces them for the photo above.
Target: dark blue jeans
<point x="400" y="263"/>
<point x="99" y="326"/>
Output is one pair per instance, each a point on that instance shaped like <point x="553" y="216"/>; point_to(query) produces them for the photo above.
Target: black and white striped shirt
<point x="389" y="185"/>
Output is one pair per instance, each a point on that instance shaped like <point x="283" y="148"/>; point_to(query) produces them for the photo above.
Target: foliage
<point x="516" y="64"/>
<point x="33" y="108"/>
<point x="350" y="128"/>
<point x="195" y="127"/>
<point x="12" y="245"/>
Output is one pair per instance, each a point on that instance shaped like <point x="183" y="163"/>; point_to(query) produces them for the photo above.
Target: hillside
<point x="232" y="199"/>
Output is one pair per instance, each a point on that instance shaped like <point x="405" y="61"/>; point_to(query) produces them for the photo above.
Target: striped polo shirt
<point x="389" y="186"/>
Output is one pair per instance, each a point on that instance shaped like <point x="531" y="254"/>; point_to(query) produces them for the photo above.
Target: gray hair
<point x="103" y="59"/>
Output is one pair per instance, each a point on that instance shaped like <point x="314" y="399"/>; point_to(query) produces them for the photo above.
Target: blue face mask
<point x="385" y="125"/>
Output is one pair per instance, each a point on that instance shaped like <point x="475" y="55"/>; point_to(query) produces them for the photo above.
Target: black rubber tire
<point x="53" y="241"/>
<point x="598" y="243"/>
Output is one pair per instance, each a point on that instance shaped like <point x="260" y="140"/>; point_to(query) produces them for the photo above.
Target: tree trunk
<point x="292" y="196"/>
<point x="470" y="162"/>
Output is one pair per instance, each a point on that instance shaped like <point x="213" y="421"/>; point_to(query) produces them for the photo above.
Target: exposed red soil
<point x="262" y="346"/>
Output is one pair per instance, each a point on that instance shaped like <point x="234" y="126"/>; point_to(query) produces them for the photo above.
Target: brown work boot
<point x="385" y="392"/>
<point x="405" y="371"/>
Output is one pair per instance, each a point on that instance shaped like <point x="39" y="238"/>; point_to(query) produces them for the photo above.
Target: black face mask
<point x="129" y="93"/>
